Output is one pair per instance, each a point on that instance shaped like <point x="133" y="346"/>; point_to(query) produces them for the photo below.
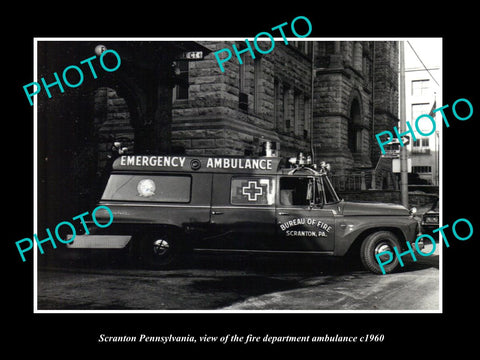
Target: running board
<point x="297" y="252"/>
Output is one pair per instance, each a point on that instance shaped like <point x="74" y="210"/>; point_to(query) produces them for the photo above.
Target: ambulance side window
<point x="151" y="188"/>
<point x="252" y="191"/>
<point x="296" y="191"/>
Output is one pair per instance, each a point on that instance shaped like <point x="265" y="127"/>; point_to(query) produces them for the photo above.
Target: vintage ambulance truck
<point x="166" y="205"/>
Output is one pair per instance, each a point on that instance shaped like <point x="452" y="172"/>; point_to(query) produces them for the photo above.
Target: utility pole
<point x="403" y="128"/>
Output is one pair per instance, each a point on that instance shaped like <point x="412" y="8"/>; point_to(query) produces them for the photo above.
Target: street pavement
<point x="408" y="289"/>
<point x="236" y="283"/>
<point x="416" y="290"/>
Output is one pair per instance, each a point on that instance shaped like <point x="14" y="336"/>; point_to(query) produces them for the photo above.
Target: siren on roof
<point x="325" y="166"/>
<point x="305" y="162"/>
<point x="300" y="160"/>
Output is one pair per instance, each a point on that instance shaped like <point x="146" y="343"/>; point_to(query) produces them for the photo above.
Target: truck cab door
<point x="303" y="222"/>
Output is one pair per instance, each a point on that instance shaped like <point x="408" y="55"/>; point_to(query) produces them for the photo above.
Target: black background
<point x="60" y="335"/>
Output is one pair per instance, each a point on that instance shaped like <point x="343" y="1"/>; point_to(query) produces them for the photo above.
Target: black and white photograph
<point x="242" y="180"/>
<point x="255" y="177"/>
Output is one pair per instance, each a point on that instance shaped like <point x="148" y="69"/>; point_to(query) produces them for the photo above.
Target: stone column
<point x="336" y="60"/>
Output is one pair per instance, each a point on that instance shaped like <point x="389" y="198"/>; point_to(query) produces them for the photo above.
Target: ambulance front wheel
<point x="160" y="251"/>
<point x="379" y="243"/>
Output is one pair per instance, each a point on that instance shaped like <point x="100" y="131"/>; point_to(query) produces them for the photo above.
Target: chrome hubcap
<point x="382" y="247"/>
<point x="160" y="247"/>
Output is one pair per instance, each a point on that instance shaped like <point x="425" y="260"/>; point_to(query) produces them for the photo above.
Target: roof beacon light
<point x="304" y="162"/>
<point x="293" y="160"/>
<point x="301" y="160"/>
<point x="324" y="167"/>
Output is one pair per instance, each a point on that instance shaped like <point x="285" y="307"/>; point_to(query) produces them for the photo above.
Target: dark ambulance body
<point x="205" y="203"/>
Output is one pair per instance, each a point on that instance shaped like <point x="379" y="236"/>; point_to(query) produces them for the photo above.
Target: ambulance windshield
<point x="324" y="192"/>
<point x="330" y="194"/>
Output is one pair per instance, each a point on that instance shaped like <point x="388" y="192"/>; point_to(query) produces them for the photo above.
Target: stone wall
<point x="385" y="90"/>
<point x="212" y="122"/>
<point x="111" y="122"/>
<point x="343" y="103"/>
<point x="352" y="80"/>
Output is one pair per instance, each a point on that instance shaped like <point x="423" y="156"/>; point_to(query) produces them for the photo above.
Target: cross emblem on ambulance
<point x="252" y="190"/>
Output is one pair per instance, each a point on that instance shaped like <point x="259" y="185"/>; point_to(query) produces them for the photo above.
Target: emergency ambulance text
<point x="227" y="163"/>
<point x="212" y="163"/>
<point x="418" y="119"/>
<point x="255" y="42"/>
<point x="174" y="161"/>
<point x="78" y="78"/>
<point x="432" y="240"/>
<point x="29" y="241"/>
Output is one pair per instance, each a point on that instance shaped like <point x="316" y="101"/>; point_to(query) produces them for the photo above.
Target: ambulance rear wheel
<point x="378" y="243"/>
<point x="159" y="251"/>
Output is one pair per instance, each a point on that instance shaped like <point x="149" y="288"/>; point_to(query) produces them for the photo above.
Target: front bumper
<point x="420" y="244"/>
<point x="416" y="233"/>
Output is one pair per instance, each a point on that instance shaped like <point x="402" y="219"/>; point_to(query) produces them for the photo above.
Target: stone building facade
<point x="232" y="113"/>
<point x="328" y="98"/>
<point x="325" y="97"/>
<point x="77" y="126"/>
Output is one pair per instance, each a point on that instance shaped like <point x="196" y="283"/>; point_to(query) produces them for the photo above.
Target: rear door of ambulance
<point x="242" y="215"/>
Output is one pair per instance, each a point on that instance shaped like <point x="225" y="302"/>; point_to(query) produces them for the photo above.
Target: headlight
<point x="413" y="210"/>
<point x="430" y="219"/>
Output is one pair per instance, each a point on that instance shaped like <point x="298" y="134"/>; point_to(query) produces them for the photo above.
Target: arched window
<point x="357" y="58"/>
<point x="355" y="128"/>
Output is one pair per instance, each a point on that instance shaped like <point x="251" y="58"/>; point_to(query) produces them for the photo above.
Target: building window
<point x="257" y="74"/>
<point x="286" y="113"/>
<point x="242" y="84"/>
<point x="297" y="106"/>
<point x="307" y="121"/>
<point x="357" y="56"/>
<point x="354" y="132"/>
<point x="423" y="142"/>
<point x="421" y="169"/>
<point x="276" y="103"/>
<point x="180" y="91"/>
<point x="421" y="146"/>
<point x="420" y="109"/>
<point x="305" y="47"/>
<point x="309" y="48"/>
<point x="420" y="87"/>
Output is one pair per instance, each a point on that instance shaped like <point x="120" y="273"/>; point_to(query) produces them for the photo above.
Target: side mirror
<point x="311" y="194"/>
<point x="310" y="191"/>
<point x="319" y="193"/>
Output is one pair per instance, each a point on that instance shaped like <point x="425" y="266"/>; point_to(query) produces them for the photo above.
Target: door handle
<point x="283" y="213"/>
<point x="217" y="212"/>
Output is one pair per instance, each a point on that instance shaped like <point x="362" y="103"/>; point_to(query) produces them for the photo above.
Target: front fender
<point x="349" y="229"/>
